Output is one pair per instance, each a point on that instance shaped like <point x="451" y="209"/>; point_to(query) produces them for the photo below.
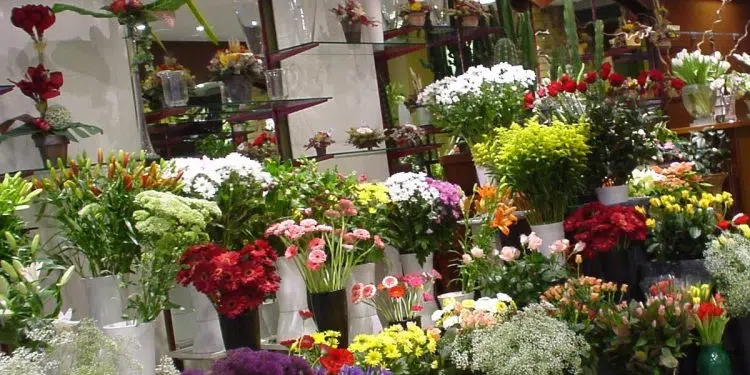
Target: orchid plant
<point x="325" y="253"/>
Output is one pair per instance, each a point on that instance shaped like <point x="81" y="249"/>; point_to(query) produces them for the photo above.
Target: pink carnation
<point x="308" y="223"/>
<point x="294" y="232"/>
<point x="324" y="228"/>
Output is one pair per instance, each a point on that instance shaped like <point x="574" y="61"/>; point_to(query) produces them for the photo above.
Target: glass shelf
<point x="4" y="89"/>
<point x="393" y="152"/>
<point x="238" y="112"/>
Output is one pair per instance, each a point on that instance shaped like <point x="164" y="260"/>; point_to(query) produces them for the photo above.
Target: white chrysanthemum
<point x="408" y="186"/>
<point x="203" y="175"/>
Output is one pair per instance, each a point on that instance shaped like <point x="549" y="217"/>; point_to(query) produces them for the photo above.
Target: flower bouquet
<point x="469" y="12"/>
<point x="261" y="148"/>
<point x="409" y="350"/>
<point x="698" y="71"/>
<point x="414" y="12"/>
<point x="365" y="137"/>
<point x="406" y="135"/>
<point x="237" y="67"/>
<point x="606" y="228"/>
<point x="325" y="254"/>
<point x="471" y="105"/>
<point x="236" y="282"/>
<point x="54" y="128"/>
<point x="320" y="142"/>
<point x="352" y="17"/>
<point x="655" y="181"/>
<point x="727" y="258"/>
<point x="397" y="300"/>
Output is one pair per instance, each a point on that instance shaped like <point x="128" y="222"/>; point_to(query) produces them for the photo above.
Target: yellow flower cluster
<point x="329" y="338"/>
<point x="372" y="195"/>
<point x="690" y="203"/>
<point x="394" y="344"/>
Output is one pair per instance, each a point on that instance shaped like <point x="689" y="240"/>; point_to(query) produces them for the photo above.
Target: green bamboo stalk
<point x="571" y="31"/>
<point x="599" y="43"/>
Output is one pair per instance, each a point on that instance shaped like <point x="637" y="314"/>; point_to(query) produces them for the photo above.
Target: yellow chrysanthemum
<point x="651" y="223"/>
<point x="373" y="358"/>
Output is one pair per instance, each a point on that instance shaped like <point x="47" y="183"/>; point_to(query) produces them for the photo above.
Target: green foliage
<point x="571" y="31"/>
<point x="394" y="93"/>
<point x="557" y="65"/>
<point x="506" y="51"/>
<point x="598" y="43"/>
<point x="15" y="195"/>
<point x="544" y="163"/>
<point x="243" y="212"/>
<point x="526" y="40"/>
<point x="167" y="225"/>
<point x="507" y="18"/>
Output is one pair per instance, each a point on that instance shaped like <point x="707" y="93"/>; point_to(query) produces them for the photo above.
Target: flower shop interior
<point x="241" y="187"/>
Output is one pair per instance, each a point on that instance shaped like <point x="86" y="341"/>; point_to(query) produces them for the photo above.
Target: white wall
<point x="91" y="55"/>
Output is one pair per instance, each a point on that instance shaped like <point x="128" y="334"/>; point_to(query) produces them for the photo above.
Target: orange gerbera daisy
<point x="397" y="291"/>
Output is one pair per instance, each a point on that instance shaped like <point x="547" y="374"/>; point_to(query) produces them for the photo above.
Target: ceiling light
<point x="200" y="28"/>
<point x="253" y="23"/>
<point x="141" y="27"/>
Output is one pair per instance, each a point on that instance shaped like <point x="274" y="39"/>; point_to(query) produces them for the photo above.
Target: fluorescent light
<point x="141" y="27"/>
<point x="253" y="23"/>
<point x="485" y="2"/>
<point x="200" y="28"/>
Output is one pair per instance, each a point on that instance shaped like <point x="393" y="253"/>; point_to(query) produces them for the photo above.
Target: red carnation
<point x="677" y="83"/>
<point x="334" y="359"/>
<point x="569" y="86"/>
<point x="582" y="86"/>
<point x="33" y="17"/>
<point x="616" y="79"/>
<point x="603" y="228"/>
<point x="606" y="70"/>
<point x="590" y="77"/>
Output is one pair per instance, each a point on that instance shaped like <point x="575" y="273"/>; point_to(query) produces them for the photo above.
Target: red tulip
<point x="642" y="78"/>
<point x="569" y="86"/>
<point x="677" y="83"/>
<point x="33" y="17"/>
<point x="616" y="79"/>
<point x="655" y="75"/>
<point x="606" y="70"/>
<point x="582" y="86"/>
<point x="564" y="79"/>
<point x="590" y="77"/>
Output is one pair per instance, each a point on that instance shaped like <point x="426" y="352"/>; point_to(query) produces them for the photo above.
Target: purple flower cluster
<point x="355" y="370"/>
<point x="451" y="196"/>
<point x="246" y="361"/>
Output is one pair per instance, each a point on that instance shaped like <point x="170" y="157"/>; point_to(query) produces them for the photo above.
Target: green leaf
<point x="695" y="232"/>
<point x="671" y="342"/>
<point x="59" y="8"/>
<point x="666" y="358"/>
<point x="642" y="341"/>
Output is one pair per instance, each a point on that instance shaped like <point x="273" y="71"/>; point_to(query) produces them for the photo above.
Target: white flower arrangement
<point x="696" y="68"/>
<point x="202" y="176"/>
<point x="411" y="187"/>
<point x="728" y="259"/>
<point x="743" y="58"/>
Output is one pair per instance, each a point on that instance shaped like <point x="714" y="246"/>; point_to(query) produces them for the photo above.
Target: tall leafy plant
<point x="571" y="32"/>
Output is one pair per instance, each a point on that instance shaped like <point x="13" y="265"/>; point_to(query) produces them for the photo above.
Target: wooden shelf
<point x="718" y="126"/>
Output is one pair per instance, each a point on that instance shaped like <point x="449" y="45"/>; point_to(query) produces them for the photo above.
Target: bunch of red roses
<point x="235" y="281"/>
<point x="602" y="228"/>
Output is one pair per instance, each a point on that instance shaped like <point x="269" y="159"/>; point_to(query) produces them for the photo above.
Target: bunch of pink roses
<point x="397" y="299"/>
<point x="326" y="252"/>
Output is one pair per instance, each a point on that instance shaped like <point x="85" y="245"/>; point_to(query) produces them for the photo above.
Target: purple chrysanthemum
<point x="246" y="361"/>
<point x="451" y="196"/>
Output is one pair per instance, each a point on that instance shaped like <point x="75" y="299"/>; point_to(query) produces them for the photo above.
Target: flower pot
<point x="483" y="176"/>
<point x="410" y="264"/>
<point x="320" y="151"/>
<point x="236" y="89"/>
<point x="716" y="180"/>
<point x="352" y="31"/>
<point x="207" y="337"/>
<point x="542" y="3"/>
<point x="470" y="21"/>
<point x="713" y="360"/>
<point x="291" y="298"/>
<point x="549" y="233"/>
<point x="416" y="18"/>
<point x="51" y="147"/>
<point x="460" y="170"/>
<point x="139" y="344"/>
<point x="405" y="323"/>
<point x="174" y="88"/>
<point x="242" y="331"/>
<point x="612" y="195"/>
<point x="454" y="297"/>
<point x="105" y="302"/>
<point x="269" y="318"/>
<point x="724" y="108"/>
<point x="699" y="102"/>
<point x="363" y="318"/>
<point x="391" y="264"/>
<point x="330" y="313"/>
<point x="424" y="117"/>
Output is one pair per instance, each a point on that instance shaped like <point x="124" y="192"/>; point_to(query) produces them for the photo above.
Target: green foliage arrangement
<point x="544" y="163"/>
<point x="167" y="225"/>
<point x="15" y="195"/>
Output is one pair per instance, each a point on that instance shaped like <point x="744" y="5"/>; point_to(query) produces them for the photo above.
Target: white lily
<point x="32" y="272"/>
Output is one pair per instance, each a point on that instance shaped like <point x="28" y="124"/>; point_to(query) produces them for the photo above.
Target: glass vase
<point x="714" y="360"/>
<point x="135" y="82"/>
<point x="248" y="15"/>
<point x="724" y="108"/>
<point x="275" y="84"/>
<point x="174" y="88"/>
<point x="236" y="89"/>
<point x="699" y="102"/>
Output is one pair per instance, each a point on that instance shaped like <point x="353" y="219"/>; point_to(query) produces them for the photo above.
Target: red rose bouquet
<point x="604" y="228"/>
<point x="397" y="299"/>
<point x="235" y="281"/>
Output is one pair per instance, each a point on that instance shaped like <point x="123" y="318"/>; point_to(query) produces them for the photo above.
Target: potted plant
<point x="352" y="17"/>
<point x="468" y="11"/>
<point x="708" y="151"/>
<point x="320" y="142"/>
<point x="262" y="148"/>
<point x="365" y="137"/>
<point x="406" y="135"/>
<point x="236" y="67"/>
<point x="698" y="71"/>
<point x="54" y="128"/>
<point x="710" y="320"/>
<point x="534" y="157"/>
<point x="237" y="300"/>
<point x="414" y="12"/>
<point x="325" y="253"/>
<point x="398" y="300"/>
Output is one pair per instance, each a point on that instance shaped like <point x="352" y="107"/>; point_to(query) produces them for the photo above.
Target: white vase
<point x="613" y="195"/>
<point x="455" y="297"/>
<point x="423" y="116"/>
<point x="138" y="342"/>
<point x="403" y="114"/>
<point x="391" y="263"/>
<point x="269" y="319"/>
<point x="549" y="233"/>
<point x="207" y="337"/>
<point x="483" y="176"/>
<point x="105" y="301"/>
<point x="410" y="264"/>
<point x="291" y="297"/>
<point x="363" y="318"/>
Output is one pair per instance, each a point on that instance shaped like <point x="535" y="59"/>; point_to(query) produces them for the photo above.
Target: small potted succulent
<point x="469" y="12"/>
<point x="406" y="135"/>
<point x="414" y="12"/>
<point x="320" y="141"/>
<point x="365" y="137"/>
<point x="352" y="16"/>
